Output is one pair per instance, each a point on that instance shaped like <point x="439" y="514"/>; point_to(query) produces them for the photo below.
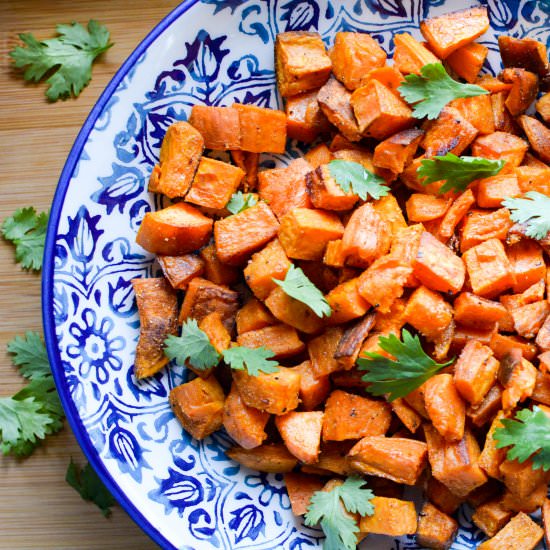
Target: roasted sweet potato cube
<point x="395" y="152"/>
<point x="489" y="269"/>
<point x="350" y="344"/>
<point x="522" y="479"/>
<point x="174" y="231"/>
<point x="538" y="135"/>
<point x="180" y="154"/>
<point x="326" y="193"/>
<point x="526" y="53"/>
<point x="423" y="208"/>
<point x="198" y="405"/>
<point x="313" y="389"/>
<point x="293" y="312"/>
<point x="334" y="99"/>
<point x="301" y="433"/>
<point x="304" y="233"/>
<point x="529" y="504"/>
<point x="543" y="335"/>
<point x="388" y="208"/>
<point x="525" y="86"/>
<point x="273" y="458"/>
<point x="389" y="76"/>
<point x="440" y="496"/>
<point x="529" y="319"/>
<point x="454" y="214"/>
<point x="468" y="60"/>
<point x="544" y="362"/>
<point x="491" y="517"/>
<point x="301" y="62"/>
<point x="379" y="112"/>
<point x="492" y="457"/>
<point x="405" y="243"/>
<point x="400" y="459"/>
<point x="300" y="488"/>
<point x="527" y="264"/>
<point x="353" y="55"/>
<point x="408" y="416"/>
<point x="446" y="33"/>
<point x="333" y="254"/>
<point x="320" y="154"/>
<point x="275" y="393"/>
<point x="534" y="178"/>
<point x="428" y="312"/>
<point x="450" y="133"/>
<point x="501" y="344"/>
<point x="504" y="121"/>
<point x="543" y="107"/>
<point x="518" y="376"/>
<point x="346" y="303"/>
<point x="533" y="293"/>
<point x="261" y="130"/>
<point x="157" y="304"/>
<point x="179" y="270"/>
<point x="253" y="316"/>
<point x="212" y="325"/>
<point x="349" y="416"/>
<point x="246" y="425"/>
<point x="501" y="145"/>
<point x="321" y="351"/>
<point x="219" y="126"/>
<point x="476" y="312"/>
<point x="249" y="163"/>
<point x="478" y="111"/>
<point x="285" y="188"/>
<point x="238" y="236"/>
<point x="493" y="190"/>
<point x="435" y="529"/>
<point x="455" y="463"/>
<point x="481" y="225"/>
<point x="475" y="372"/>
<point x="216" y="271"/>
<point x="281" y="339"/>
<point x="487" y="409"/>
<point x="304" y="118"/>
<point x="520" y="532"/>
<point x="410" y="55"/>
<point x="392" y="517"/>
<point x="204" y="297"/>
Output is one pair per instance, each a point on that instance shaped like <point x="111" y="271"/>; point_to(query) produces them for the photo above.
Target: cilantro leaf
<point x="254" y="361"/>
<point x="192" y="345"/>
<point x="527" y="434"/>
<point x="353" y="176"/>
<point x="433" y="89"/>
<point x="457" y="172"/>
<point x="27" y="231"/>
<point x="400" y="376"/>
<point x="29" y="354"/>
<point x="533" y="210"/>
<point x="66" y="59"/>
<point x="88" y="485"/>
<point x="240" y="201"/>
<point x="299" y="287"/>
<point x="329" y="509"/>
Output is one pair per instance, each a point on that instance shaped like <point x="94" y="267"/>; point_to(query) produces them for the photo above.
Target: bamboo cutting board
<point x="38" y="510"/>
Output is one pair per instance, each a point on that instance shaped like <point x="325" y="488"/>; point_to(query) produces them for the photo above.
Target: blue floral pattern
<point x="188" y="491"/>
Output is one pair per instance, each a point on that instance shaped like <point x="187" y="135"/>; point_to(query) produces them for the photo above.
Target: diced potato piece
<point x="301" y="433"/>
<point x="491" y="457"/>
<point x="353" y="55"/>
<point x="346" y="303"/>
<point x="399" y="459"/>
<point x="180" y="270"/>
<point x="320" y="154"/>
<point x="326" y="193"/>
<point x="261" y="130"/>
<point x="468" y="60"/>
<point x="285" y="188"/>
<point x="534" y="178"/>
<point x="333" y="254"/>
<point x="304" y="233"/>
<point x="528" y="504"/>
<point x="157" y="304"/>
<point x="527" y="264"/>
<point x="246" y="425"/>
<point x="212" y="325"/>
<point x="487" y="409"/>
<point x="422" y="208"/>
<point x="304" y="118"/>
<point x="427" y="312"/>
<point x="180" y="154"/>
<point x="199" y="406"/>
<point x="408" y="416"/>
<point x="526" y="53"/>
<point x="349" y="416"/>
<point x="543" y="336"/>
<point x="525" y="86"/>
<point x="543" y="107"/>
<point x="502" y="344"/>
<point x="491" y="517"/>
<point x="482" y="225"/>
<point x="350" y="344"/>
<point x="216" y="271"/>
<point x="518" y="376"/>
<point x="301" y="61"/>
<point x="529" y="319"/>
<point x="275" y="393"/>
<point x="405" y="243"/>
<point x="313" y="389"/>
<point x="397" y="151"/>
<point x="435" y="529"/>
<point x="440" y="496"/>
<point x="538" y="135"/>
<point x="522" y="479"/>
<point x="493" y="190"/>
<point x="476" y="312"/>
<point x="454" y="214"/>
<point x="410" y="55"/>
<point x="219" y="126"/>
<point x="300" y="488"/>
<point x="174" y="231"/>
<point x="238" y="236"/>
<point x="273" y="458"/>
<point x="478" y="111"/>
<point x="321" y="351"/>
<point x="501" y="145"/>
<point x="520" y="532"/>
<point x="281" y="339"/>
<point x="392" y="517"/>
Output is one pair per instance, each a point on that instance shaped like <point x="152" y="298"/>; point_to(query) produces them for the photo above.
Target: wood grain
<point x="37" y="508"/>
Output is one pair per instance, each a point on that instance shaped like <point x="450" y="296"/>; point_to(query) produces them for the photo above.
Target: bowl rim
<point x="48" y="322"/>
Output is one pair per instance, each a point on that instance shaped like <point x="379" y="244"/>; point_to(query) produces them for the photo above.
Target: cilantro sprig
<point x="27" y="231"/>
<point x="240" y="201"/>
<point x="66" y="59"/>
<point x="298" y="286"/>
<point x="533" y="210"/>
<point x="457" y="172"/>
<point x="194" y="346"/>
<point x="329" y="509"/>
<point x="528" y="435"/>
<point x="354" y="177"/>
<point x="87" y="484"/>
<point x="433" y="89"/>
<point x="410" y="367"/>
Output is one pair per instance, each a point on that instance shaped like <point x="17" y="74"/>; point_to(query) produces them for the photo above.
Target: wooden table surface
<point x="38" y="509"/>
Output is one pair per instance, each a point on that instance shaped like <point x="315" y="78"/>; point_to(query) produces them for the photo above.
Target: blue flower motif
<point x="123" y="185"/>
<point x="94" y="351"/>
<point x="82" y="235"/>
<point x="146" y="388"/>
<point x="121" y="297"/>
<point x="301" y="15"/>
<point x="177" y="492"/>
<point x="299" y="543"/>
<point x="60" y="304"/>
<point x="123" y="447"/>
<point x="222" y="4"/>
<point x="269" y="491"/>
<point x="392" y="8"/>
<point x="204" y="56"/>
<point x="247" y="522"/>
<point x="503" y="15"/>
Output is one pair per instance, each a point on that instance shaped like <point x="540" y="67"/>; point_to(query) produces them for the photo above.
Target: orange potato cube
<point x="520" y="532"/>
<point x="304" y="118"/>
<point x="427" y="312"/>
<point x="525" y="86"/>
<point x="397" y="151"/>
<point x="454" y="214"/>
<point x="491" y="517"/>
<point x="300" y="488"/>
<point x="538" y="135"/>
<point x="321" y="352"/>
<point x="253" y="316"/>
<point x="333" y="254"/>
<point x="501" y="145"/>
<point x="346" y="302"/>
<point x="492" y="191"/>
<point x="320" y="154"/>
<point x="261" y="130"/>
<point x="313" y="389"/>
<point x="325" y="193"/>
<point x="478" y="111"/>
<point x="410" y="55"/>
<point x="468" y="60"/>
<point x="474" y="311"/>
<point x="534" y="178"/>
<point x="272" y="458"/>
<point x="482" y="225"/>
<point x="219" y="126"/>
<point x="301" y="433"/>
<point x="435" y="529"/>
<point x="179" y="270"/>
<point x="422" y="208"/>
<point x="281" y="339"/>
<point x="526" y="53"/>
<point x="440" y="496"/>
<point x="214" y="270"/>
<point x="392" y="517"/>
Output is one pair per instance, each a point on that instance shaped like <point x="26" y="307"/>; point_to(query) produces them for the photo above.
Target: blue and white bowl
<point x="186" y="494"/>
